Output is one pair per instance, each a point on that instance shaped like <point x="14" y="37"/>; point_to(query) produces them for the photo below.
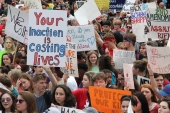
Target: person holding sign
<point x="92" y="61"/>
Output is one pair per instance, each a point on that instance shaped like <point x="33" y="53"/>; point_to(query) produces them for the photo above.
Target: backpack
<point x="47" y="97"/>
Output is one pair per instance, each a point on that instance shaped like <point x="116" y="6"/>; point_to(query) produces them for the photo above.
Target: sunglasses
<point x="129" y="27"/>
<point x="7" y="99"/>
<point x="19" y="100"/>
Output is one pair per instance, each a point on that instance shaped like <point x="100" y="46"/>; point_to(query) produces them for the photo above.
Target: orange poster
<point x="106" y="100"/>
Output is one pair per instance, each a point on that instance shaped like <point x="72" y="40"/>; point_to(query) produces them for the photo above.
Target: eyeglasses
<point x="128" y="27"/>
<point x="19" y="100"/>
<point x="7" y="99"/>
<point x="120" y="78"/>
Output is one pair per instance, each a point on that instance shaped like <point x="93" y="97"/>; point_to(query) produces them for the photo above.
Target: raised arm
<point x="98" y="39"/>
<point x="51" y="76"/>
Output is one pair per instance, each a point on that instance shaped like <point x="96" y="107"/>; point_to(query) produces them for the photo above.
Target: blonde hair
<point x="13" y="45"/>
<point x="88" y="61"/>
<point x="117" y="22"/>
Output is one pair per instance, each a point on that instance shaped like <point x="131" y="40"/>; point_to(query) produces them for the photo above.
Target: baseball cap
<point x="52" y="110"/>
<point x="165" y="91"/>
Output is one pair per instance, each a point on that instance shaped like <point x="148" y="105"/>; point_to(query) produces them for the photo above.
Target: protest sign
<point x="143" y="80"/>
<point x="17" y="24"/>
<point x="127" y="5"/>
<point x="88" y="12"/>
<point x="122" y="56"/>
<point x="47" y="37"/>
<point x="80" y="3"/>
<point x="1" y="53"/>
<point x="117" y="4"/>
<point x="102" y="4"/>
<point x="33" y="4"/>
<point x="168" y="44"/>
<point x="71" y="60"/>
<point x="17" y="6"/>
<point x="128" y="75"/>
<point x="66" y="109"/>
<point x="106" y="100"/>
<point x="83" y="36"/>
<point x="158" y="58"/>
<point x="158" y="20"/>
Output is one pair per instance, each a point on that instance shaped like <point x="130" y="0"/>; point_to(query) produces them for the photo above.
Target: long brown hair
<point x="29" y="99"/>
<point x="88" y="61"/>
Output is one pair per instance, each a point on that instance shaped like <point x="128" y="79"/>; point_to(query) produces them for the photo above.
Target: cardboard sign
<point x="143" y="80"/>
<point x="33" y="4"/>
<point x="158" y="20"/>
<point x="128" y="75"/>
<point x="117" y="4"/>
<point x="127" y="5"/>
<point x="67" y="109"/>
<point x="106" y="100"/>
<point x="71" y="60"/>
<point x="122" y="56"/>
<point x="47" y="37"/>
<point x="102" y="4"/>
<point x="83" y="36"/>
<point x="88" y="12"/>
<point x="158" y="58"/>
<point x="80" y="3"/>
<point x="17" y="24"/>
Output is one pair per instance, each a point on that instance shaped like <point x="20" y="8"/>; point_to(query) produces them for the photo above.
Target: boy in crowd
<point x="129" y="42"/>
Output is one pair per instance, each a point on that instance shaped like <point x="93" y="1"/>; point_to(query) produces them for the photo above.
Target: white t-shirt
<point x="71" y="83"/>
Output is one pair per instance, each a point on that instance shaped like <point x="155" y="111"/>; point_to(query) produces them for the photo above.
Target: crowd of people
<point x="35" y="89"/>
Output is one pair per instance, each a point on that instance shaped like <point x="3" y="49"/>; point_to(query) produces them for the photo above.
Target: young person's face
<point x="22" y="51"/>
<point x="40" y="85"/>
<point x="109" y="44"/>
<point x="143" y="50"/>
<point x="109" y="77"/>
<point x="124" y="106"/>
<point x="106" y="28"/>
<point x="159" y="82"/>
<point x="60" y="96"/>
<point x="147" y="93"/>
<point x="116" y="27"/>
<point x="21" y="104"/>
<point x="85" y="81"/>
<point x="8" y="44"/>
<point x="126" y="44"/>
<point x="120" y="79"/>
<point x="138" y="106"/>
<point x="163" y="108"/>
<point x="104" y="18"/>
<point x="6" y="60"/>
<point x="93" y="59"/>
<point x="100" y="83"/>
<point x="25" y="83"/>
<point x="135" y="70"/>
<point x="38" y="69"/>
<point x="6" y="101"/>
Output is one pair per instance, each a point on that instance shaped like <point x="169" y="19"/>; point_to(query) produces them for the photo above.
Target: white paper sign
<point x="33" y="4"/>
<point x="158" y="20"/>
<point x="17" y="24"/>
<point x="122" y="56"/>
<point x="83" y="36"/>
<point x="159" y="59"/>
<point x="127" y="5"/>
<point x="128" y="75"/>
<point x="67" y="109"/>
<point x="71" y="60"/>
<point x="88" y="12"/>
<point x="143" y="80"/>
<point x="47" y="37"/>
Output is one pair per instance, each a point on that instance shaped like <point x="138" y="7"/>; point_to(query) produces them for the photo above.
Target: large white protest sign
<point x="67" y="109"/>
<point x="158" y="22"/>
<point x="128" y="75"/>
<point x="127" y="5"/>
<point x="17" y="24"/>
<point x="158" y="58"/>
<point x="83" y="36"/>
<point x="71" y="60"/>
<point x="33" y="4"/>
<point x="122" y="56"/>
<point x="47" y="37"/>
<point x="88" y="12"/>
<point x="143" y="80"/>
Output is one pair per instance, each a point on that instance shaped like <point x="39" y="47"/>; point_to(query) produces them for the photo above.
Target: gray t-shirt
<point x="40" y="103"/>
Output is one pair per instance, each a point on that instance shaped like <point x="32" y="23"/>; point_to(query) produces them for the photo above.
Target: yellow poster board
<point x="102" y="4"/>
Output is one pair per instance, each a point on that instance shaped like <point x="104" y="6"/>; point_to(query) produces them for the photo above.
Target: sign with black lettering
<point x="143" y="80"/>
